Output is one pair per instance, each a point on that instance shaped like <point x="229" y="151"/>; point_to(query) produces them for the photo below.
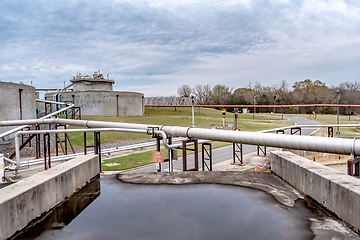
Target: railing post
<point x="85" y="147"/>
<point x="2" y="168"/>
<point x="47" y="161"/>
<point x="237" y="148"/>
<point x="184" y="155"/>
<point x="330" y="132"/>
<point x="196" y="154"/>
<point x="37" y="139"/>
<point x="97" y="146"/>
<point x="209" y="156"/>
<point x="158" y="165"/>
<point x="171" y="167"/>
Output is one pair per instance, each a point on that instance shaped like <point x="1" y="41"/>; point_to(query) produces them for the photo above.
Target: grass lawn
<point x="332" y="119"/>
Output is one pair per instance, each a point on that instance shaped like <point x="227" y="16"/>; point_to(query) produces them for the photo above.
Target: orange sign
<point x="158" y="157"/>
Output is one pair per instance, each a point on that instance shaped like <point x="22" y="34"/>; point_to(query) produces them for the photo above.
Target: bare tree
<point x="207" y="94"/>
<point x="184" y="91"/>
<point x="199" y="93"/>
<point x="221" y="94"/>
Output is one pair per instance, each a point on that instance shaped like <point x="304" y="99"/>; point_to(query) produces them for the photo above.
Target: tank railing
<point x="105" y="151"/>
<point x="17" y="141"/>
<point x="3" y="135"/>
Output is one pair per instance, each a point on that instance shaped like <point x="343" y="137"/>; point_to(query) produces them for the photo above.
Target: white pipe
<point x="320" y="144"/>
<point x="9" y="160"/>
<point x="24" y="126"/>
<point x="309" y="143"/>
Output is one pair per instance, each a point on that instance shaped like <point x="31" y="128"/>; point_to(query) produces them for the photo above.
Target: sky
<point x="155" y="46"/>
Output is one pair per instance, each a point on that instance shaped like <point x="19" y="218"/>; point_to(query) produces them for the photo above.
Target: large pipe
<point x="309" y="143"/>
<point x="27" y="125"/>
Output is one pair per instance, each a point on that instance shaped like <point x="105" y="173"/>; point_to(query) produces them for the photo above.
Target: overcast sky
<point x="156" y="46"/>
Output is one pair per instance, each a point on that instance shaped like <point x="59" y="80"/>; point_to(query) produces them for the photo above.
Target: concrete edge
<point x="30" y="198"/>
<point x="335" y="192"/>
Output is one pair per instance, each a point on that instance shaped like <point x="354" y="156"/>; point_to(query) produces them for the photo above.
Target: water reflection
<point x="203" y="211"/>
<point x="64" y="214"/>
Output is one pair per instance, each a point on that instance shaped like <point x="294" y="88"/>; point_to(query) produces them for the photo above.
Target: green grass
<point x="142" y="159"/>
<point x="332" y="119"/>
<point x="129" y="161"/>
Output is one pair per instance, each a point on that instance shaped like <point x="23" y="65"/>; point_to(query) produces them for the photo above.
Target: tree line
<point x="302" y="92"/>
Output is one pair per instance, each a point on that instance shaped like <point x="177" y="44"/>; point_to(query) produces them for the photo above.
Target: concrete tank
<point x="95" y="97"/>
<point x="96" y="82"/>
<point x="103" y="103"/>
<point x="17" y="101"/>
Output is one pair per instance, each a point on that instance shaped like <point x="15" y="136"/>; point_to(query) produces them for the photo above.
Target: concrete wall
<point x="86" y="85"/>
<point x="10" y="105"/>
<point x="340" y="165"/>
<point x="167" y="101"/>
<point x="336" y="191"/>
<point x="104" y="103"/>
<point x="26" y="200"/>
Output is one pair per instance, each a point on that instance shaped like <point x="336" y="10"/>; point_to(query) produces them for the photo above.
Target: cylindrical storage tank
<point x="17" y="101"/>
<point x="104" y="103"/>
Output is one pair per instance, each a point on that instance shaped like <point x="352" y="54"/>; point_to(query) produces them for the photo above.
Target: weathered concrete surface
<point x="104" y="103"/>
<point x="339" y="165"/>
<point x="336" y="191"/>
<point x="94" y="84"/>
<point x="10" y="106"/>
<point x="264" y="181"/>
<point x="168" y="101"/>
<point x="28" y="199"/>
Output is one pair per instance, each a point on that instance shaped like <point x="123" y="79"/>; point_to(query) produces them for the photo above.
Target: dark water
<point x="206" y="211"/>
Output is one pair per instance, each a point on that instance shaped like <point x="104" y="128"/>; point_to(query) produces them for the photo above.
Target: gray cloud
<point x="145" y="44"/>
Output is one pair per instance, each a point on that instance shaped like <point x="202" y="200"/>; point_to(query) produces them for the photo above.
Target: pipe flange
<point x="352" y="154"/>
<point x="187" y="133"/>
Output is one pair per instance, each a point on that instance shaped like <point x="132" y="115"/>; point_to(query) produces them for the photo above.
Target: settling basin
<point x="110" y="208"/>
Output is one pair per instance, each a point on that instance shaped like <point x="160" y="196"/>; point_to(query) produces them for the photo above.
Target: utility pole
<point x="254" y="108"/>
<point x="192" y="108"/>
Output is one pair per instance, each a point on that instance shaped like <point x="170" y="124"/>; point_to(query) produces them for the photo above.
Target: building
<point x="95" y="97"/>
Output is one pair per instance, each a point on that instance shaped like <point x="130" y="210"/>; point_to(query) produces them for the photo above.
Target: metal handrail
<point x="310" y="126"/>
